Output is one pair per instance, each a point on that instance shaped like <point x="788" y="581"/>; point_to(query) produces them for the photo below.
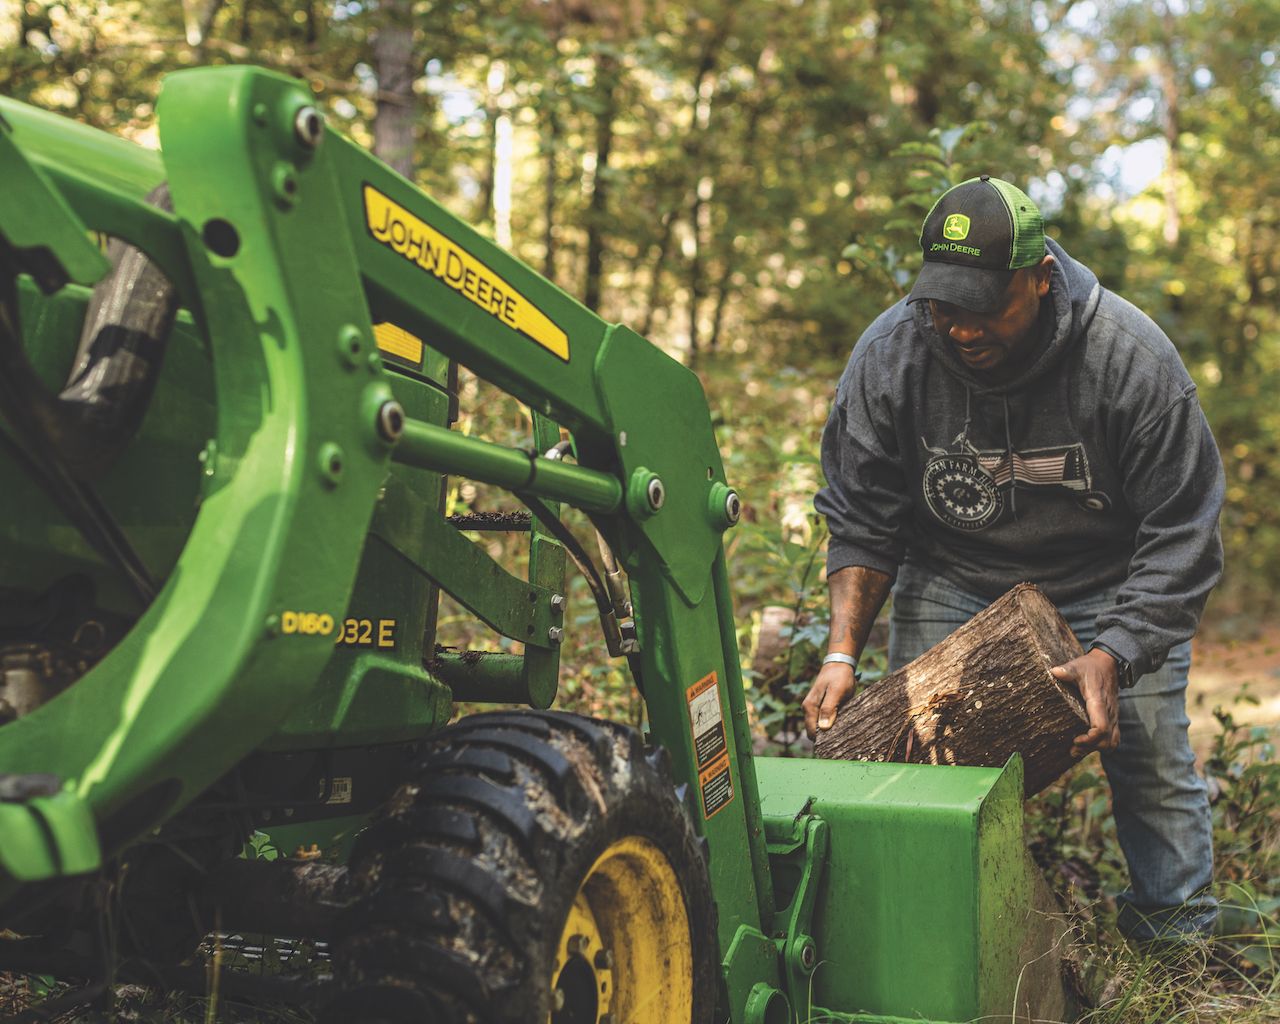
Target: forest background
<point x="742" y="181"/>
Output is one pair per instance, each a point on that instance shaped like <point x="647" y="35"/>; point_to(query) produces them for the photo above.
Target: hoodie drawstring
<point x="962" y="438"/>
<point x="1008" y="454"/>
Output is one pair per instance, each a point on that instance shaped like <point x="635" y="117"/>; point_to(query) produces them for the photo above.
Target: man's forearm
<point x="857" y="595"/>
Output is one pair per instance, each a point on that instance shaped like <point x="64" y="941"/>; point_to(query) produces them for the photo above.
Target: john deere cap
<point x="977" y="234"/>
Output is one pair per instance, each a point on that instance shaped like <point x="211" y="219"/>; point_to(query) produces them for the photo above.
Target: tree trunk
<point x="659" y="267"/>
<point x="607" y="74"/>
<point x="393" y="65"/>
<point x="974" y="699"/>
<point x="551" y="140"/>
<point x="703" y="185"/>
<point x="1168" y="74"/>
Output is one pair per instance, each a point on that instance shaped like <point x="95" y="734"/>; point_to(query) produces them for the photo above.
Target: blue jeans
<point x="1160" y="802"/>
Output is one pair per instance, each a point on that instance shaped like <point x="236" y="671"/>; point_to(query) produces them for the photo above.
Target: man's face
<point x="996" y="343"/>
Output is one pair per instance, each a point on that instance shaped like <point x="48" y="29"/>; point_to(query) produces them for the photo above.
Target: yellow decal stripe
<point x="397" y="341"/>
<point x="421" y="244"/>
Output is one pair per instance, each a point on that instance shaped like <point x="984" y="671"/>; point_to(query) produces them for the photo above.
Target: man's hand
<point x="1094" y="674"/>
<point x="834" y="685"/>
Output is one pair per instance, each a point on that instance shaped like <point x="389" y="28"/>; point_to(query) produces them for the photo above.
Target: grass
<point x="1235" y="978"/>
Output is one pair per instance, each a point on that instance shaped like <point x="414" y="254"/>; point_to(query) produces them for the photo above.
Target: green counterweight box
<point x="923" y="903"/>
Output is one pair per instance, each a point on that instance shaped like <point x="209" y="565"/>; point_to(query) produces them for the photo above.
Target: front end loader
<point x="228" y="384"/>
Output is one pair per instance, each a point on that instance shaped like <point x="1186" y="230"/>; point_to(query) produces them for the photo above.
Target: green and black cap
<point x="977" y="234"/>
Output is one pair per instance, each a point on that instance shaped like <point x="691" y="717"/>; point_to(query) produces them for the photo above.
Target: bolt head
<point x="656" y="493"/>
<point x="350" y="346"/>
<point x="604" y="960"/>
<point x="733" y="508"/>
<point x="390" y="421"/>
<point x="555" y="634"/>
<point x="308" y="127"/>
<point x="808" y="956"/>
<point x="332" y="461"/>
<point x="557" y="602"/>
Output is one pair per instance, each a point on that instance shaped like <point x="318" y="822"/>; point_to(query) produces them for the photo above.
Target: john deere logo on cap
<point x="956" y="227"/>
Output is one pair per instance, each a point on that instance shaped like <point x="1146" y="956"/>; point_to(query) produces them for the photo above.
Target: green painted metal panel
<point x="47" y="837"/>
<point x="923" y="902"/>
<point x="415" y="256"/>
<point x="53" y="141"/>
<point x="374" y="688"/>
<point x="662" y="425"/>
<point x="686" y="687"/>
<point x="34" y="216"/>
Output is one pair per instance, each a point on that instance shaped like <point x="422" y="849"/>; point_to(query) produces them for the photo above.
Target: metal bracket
<point x="749" y="970"/>
<point x="516" y="608"/>
<point x="797" y="860"/>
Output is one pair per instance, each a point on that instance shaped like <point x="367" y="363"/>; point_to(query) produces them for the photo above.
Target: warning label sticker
<point x="706" y="720"/>
<point x="706" y="723"/>
<point x="418" y="242"/>
<point x="717" y="787"/>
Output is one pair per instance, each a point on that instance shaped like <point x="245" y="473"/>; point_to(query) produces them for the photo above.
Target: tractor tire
<point x="538" y="867"/>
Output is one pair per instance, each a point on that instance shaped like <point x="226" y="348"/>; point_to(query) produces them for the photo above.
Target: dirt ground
<point x="1223" y="668"/>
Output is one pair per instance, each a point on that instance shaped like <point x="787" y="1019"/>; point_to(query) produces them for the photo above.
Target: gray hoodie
<point x="1095" y="467"/>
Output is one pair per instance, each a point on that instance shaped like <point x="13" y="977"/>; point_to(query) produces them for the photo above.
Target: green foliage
<point x="260" y="847"/>
<point x="891" y="251"/>
<point x="1236" y="977"/>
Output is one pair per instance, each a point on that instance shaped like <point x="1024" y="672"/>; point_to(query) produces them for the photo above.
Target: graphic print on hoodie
<point x="965" y="487"/>
<point x="1093" y="468"/>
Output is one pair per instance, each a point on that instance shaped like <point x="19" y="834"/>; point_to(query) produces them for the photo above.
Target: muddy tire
<point x="538" y="866"/>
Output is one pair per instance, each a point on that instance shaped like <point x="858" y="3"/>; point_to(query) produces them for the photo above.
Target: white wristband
<point x="843" y="659"/>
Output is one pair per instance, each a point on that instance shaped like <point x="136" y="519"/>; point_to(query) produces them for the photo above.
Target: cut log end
<point x="977" y="698"/>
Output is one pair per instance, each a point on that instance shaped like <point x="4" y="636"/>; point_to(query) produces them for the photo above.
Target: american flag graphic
<point x="1041" y="467"/>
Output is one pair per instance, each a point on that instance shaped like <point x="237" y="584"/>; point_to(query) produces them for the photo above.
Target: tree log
<point x="974" y="699"/>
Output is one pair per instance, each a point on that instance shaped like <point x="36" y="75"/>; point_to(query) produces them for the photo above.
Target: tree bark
<point x="393" y="65"/>
<point x="551" y="143"/>
<point x="703" y="184"/>
<point x="974" y="699"/>
<point x="659" y="267"/>
<point x="607" y="75"/>
<point x="1168" y="74"/>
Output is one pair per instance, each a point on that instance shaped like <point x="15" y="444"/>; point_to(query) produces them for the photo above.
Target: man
<point x="1012" y="420"/>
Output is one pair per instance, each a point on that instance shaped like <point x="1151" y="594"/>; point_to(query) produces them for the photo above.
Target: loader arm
<point x="287" y="251"/>
<point x="291" y="477"/>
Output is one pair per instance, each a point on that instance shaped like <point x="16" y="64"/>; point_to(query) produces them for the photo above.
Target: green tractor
<point x="227" y="384"/>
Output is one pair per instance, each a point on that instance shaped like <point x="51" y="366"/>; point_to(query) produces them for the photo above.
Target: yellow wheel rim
<point x="625" y="955"/>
